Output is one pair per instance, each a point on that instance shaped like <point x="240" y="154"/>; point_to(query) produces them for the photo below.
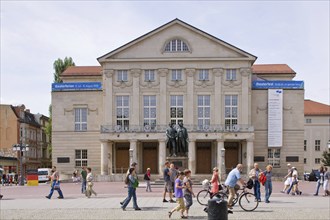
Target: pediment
<point x="201" y="45"/>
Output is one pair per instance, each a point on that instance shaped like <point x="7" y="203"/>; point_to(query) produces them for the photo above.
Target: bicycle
<point x="204" y="195"/>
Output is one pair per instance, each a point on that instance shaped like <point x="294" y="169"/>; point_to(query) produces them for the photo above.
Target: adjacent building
<point x="235" y="111"/>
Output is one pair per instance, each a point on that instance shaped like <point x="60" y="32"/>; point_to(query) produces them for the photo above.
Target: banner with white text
<point x="275" y="117"/>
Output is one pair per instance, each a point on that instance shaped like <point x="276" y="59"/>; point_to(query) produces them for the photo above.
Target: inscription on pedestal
<point x="180" y="163"/>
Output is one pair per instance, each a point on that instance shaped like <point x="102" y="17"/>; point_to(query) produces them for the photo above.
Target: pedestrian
<point x="288" y="178"/>
<point x="168" y="184"/>
<point x="147" y="180"/>
<point x="294" y="183"/>
<point x="83" y="181"/>
<point x="320" y="180"/>
<point x="173" y="176"/>
<point x="268" y="184"/>
<point x="55" y="184"/>
<point x="132" y="184"/>
<point x="254" y="175"/>
<point x="188" y="190"/>
<point x="89" y="178"/>
<point x="179" y="196"/>
<point x="326" y="182"/>
<point x="233" y="177"/>
<point x="133" y="165"/>
<point x="215" y="181"/>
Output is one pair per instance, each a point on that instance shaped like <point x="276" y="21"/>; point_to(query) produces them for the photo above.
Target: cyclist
<point x="233" y="177"/>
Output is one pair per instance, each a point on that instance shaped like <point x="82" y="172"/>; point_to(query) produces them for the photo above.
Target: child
<point x="89" y="178"/>
<point x="179" y="196"/>
<point x="147" y="179"/>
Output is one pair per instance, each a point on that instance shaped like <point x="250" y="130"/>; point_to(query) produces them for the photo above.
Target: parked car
<point x="306" y="176"/>
<point x="313" y="175"/>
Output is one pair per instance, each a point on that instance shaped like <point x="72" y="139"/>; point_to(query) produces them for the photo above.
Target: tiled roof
<point x="272" y="68"/>
<point x="83" y="71"/>
<point x="316" y="108"/>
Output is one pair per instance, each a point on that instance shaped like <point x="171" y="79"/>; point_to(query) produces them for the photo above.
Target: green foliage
<point x="326" y="158"/>
<point x="60" y="66"/>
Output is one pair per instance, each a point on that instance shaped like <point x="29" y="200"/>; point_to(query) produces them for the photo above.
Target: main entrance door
<point x="231" y="155"/>
<point x="150" y="156"/>
<point x="203" y="157"/>
<point x="122" y="157"/>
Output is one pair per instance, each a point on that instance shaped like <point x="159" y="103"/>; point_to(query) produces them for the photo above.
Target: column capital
<point x="220" y="140"/>
<point x="245" y="71"/>
<point x="218" y="72"/>
<point x="192" y="139"/>
<point x="162" y="72"/>
<point x="190" y="72"/>
<point x="108" y="73"/>
<point x="136" y="72"/>
<point x="133" y="140"/>
<point x="162" y="140"/>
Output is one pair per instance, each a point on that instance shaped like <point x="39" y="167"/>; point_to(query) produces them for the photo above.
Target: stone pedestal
<point x="179" y="162"/>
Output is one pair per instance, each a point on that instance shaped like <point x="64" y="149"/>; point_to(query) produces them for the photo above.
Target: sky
<point x="36" y="33"/>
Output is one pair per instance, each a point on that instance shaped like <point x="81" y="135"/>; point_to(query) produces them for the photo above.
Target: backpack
<point x="249" y="184"/>
<point x="262" y="178"/>
<point x="126" y="180"/>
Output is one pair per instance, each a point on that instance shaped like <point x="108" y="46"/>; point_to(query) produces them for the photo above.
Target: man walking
<point x="168" y="183"/>
<point x="254" y="175"/>
<point x="55" y="184"/>
<point x="232" y="178"/>
<point x="83" y="181"/>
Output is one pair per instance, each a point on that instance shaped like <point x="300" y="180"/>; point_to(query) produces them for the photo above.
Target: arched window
<point x="176" y="45"/>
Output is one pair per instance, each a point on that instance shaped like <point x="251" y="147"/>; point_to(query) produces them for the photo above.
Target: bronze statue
<point x="183" y="140"/>
<point x="171" y="140"/>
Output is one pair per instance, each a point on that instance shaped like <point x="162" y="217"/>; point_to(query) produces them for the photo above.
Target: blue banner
<point x="76" y="86"/>
<point x="278" y="84"/>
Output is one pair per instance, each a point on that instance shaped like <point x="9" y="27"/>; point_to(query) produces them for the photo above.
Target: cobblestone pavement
<point x="22" y="202"/>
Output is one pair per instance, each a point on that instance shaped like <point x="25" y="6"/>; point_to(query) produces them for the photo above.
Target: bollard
<point x="217" y="209"/>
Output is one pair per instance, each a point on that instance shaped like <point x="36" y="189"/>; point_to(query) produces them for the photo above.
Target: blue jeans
<point x="318" y="184"/>
<point x="256" y="188"/>
<point x="268" y="190"/>
<point x="131" y="193"/>
<point x="83" y="186"/>
<point x="52" y="190"/>
<point x="291" y="185"/>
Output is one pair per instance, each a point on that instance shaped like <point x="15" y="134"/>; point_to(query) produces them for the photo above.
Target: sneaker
<point x="123" y="209"/>
<point x="185" y="217"/>
<point x="282" y="191"/>
<point x="315" y="194"/>
<point x="164" y="200"/>
<point x="60" y="197"/>
<point x="172" y="201"/>
<point x="267" y="201"/>
<point x="121" y="203"/>
<point x="137" y="209"/>
<point x="1" y="196"/>
<point x="230" y="212"/>
<point x="300" y="193"/>
<point x="259" y="200"/>
<point x="47" y="197"/>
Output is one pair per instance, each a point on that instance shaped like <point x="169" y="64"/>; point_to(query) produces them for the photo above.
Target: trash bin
<point x="217" y="209"/>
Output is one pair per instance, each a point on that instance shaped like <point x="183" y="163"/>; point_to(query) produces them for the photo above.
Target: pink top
<point x="215" y="183"/>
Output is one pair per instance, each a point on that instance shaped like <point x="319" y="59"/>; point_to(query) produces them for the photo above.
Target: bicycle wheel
<point x="248" y="202"/>
<point x="220" y="195"/>
<point x="203" y="197"/>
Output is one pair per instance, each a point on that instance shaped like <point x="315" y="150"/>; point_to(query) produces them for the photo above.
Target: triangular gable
<point x="176" y="21"/>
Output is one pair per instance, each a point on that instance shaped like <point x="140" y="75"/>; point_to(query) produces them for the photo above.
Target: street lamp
<point x="21" y="148"/>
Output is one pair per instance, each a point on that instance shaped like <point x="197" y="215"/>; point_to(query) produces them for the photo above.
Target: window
<point x="176" y="75"/>
<point x="317" y="160"/>
<point x="176" y="45"/>
<point x="122" y="112"/>
<point x="122" y="75"/>
<point x="81" y="158"/>
<point x="231" y="74"/>
<point x="176" y="109"/>
<point x="274" y="156"/>
<point x="305" y="145"/>
<point x="149" y="112"/>
<point x="203" y="75"/>
<point x="308" y="120"/>
<point x="231" y="112"/>
<point x="317" y="145"/>
<point x="203" y="112"/>
<point x="149" y="75"/>
<point x="305" y="160"/>
<point x="80" y="119"/>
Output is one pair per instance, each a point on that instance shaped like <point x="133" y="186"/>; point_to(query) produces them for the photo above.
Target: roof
<point x="83" y="71"/>
<point x="272" y="68"/>
<point x="316" y="108"/>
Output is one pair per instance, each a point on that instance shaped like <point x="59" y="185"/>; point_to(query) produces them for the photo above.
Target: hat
<point x="133" y="164"/>
<point x="289" y="164"/>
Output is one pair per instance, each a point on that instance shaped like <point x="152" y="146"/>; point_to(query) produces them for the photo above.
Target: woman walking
<point x="215" y="181"/>
<point x="268" y="184"/>
<point x="179" y="196"/>
<point x="320" y="180"/>
<point x="132" y="184"/>
<point x="188" y="191"/>
<point x="89" y="178"/>
<point x="326" y="182"/>
<point x="147" y="179"/>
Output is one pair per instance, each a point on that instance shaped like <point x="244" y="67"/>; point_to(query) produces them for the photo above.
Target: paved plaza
<point x="23" y="202"/>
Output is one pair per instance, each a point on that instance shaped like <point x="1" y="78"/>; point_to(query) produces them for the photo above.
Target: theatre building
<point x="234" y="110"/>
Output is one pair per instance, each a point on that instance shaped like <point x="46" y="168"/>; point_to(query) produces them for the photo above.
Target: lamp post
<point x="21" y="148"/>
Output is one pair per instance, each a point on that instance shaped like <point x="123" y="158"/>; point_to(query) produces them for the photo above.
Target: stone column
<point x="104" y="157"/>
<point x="133" y="148"/>
<point x="221" y="159"/>
<point x="249" y="155"/>
<point x="218" y="104"/>
<point x="192" y="156"/>
<point x="107" y="100"/>
<point x="163" y="109"/>
<point x="245" y="106"/>
<point x="161" y="156"/>
<point x="135" y="119"/>
<point x="189" y="103"/>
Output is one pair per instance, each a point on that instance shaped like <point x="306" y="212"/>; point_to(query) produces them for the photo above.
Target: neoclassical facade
<point x="110" y="115"/>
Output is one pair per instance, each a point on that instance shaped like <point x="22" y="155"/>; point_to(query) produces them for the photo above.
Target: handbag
<point x="135" y="184"/>
<point x="57" y="185"/>
<point x="249" y="184"/>
<point x="262" y="178"/>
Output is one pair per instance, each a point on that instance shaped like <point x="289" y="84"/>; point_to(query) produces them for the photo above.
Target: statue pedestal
<point x="179" y="162"/>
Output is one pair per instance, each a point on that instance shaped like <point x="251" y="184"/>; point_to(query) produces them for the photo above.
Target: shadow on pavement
<point x="146" y="208"/>
<point x="197" y="217"/>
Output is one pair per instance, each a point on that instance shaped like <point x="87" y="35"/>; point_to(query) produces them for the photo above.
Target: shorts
<point x="189" y="200"/>
<point x="288" y="181"/>
<point x="168" y="186"/>
<point x="326" y="185"/>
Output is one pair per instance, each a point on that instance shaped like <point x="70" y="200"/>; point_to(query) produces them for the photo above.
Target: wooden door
<point x="231" y="156"/>
<point x="150" y="157"/>
<point x="203" y="157"/>
<point x="122" y="157"/>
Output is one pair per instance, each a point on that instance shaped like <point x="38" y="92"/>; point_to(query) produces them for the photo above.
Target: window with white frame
<point x="149" y="112"/>
<point x="231" y="74"/>
<point x="203" y="109"/>
<point x="176" y="109"/>
<point x="317" y="145"/>
<point x="176" y="45"/>
<point x="203" y="75"/>
<point x="81" y="158"/>
<point x="176" y="75"/>
<point x="231" y="109"/>
<point x="80" y="119"/>
<point x="149" y="75"/>
<point x="274" y="157"/>
<point x="317" y="160"/>
<point x="122" y="110"/>
<point x="122" y="75"/>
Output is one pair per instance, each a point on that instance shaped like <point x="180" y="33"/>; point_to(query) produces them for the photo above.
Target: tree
<point x="60" y="66"/>
<point x="326" y="158"/>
